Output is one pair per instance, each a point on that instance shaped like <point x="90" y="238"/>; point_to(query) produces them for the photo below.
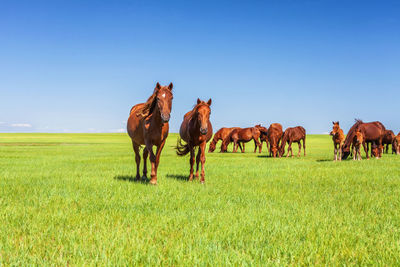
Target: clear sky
<point x="79" y="66"/>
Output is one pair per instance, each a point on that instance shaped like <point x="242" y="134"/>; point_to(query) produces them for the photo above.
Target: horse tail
<point x="181" y="149"/>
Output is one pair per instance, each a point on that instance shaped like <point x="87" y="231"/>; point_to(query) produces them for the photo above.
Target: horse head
<point x="203" y="112"/>
<point x="164" y="101"/>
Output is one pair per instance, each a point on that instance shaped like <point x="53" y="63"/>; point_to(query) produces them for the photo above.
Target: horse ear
<point x="209" y="102"/>
<point x="333" y="122"/>
<point x="337" y="122"/>
<point x="170" y="86"/>
<point x="158" y="86"/>
<point x="198" y="101"/>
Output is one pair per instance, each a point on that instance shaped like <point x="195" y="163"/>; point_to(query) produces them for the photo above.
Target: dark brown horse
<point x="373" y="133"/>
<point x="221" y="134"/>
<point x="274" y="137"/>
<point x="293" y="135"/>
<point x="196" y="130"/>
<point x="388" y="140"/>
<point x="148" y="125"/>
<point x="263" y="136"/>
<point x="242" y="136"/>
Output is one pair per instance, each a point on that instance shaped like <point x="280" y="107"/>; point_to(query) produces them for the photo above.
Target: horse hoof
<point x="153" y="182"/>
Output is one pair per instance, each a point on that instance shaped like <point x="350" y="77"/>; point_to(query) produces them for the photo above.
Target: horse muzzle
<point x="165" y="118"/>
<point x="203" y="131"/>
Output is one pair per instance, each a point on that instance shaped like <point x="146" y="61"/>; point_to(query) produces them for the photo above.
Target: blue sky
<point x="79" y="66"/>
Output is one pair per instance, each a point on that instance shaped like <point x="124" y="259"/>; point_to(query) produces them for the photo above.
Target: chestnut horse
<point x="263" y="136"/>
<point x="357" y="142"/>
<point x="196" y="130"/>
<point x="293" y="135"/>
<point x="148" y="125"/>
<point x="242" y="136"/>
<point x="338" y="140"/>
<point x="373" y="133"/>
<point x="221" y="134"/>
<point x="388" y="140"/>
<point x="274" y="135"/>
<point x="396" y="144"/>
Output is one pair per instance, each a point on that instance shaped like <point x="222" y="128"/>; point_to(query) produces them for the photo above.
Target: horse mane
<point x="149" y="105"/>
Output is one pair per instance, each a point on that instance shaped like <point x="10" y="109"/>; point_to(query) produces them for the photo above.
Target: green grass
<point x="68" y="199"/>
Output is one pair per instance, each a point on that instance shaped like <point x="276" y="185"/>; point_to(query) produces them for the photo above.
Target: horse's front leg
<point x="365" y="145"/>
<point x="191" y="160"/>
<point x="289" y="149"/>
<point x="158" y="153"/>
<point x="202" y="153"/>
<point x="340" y="152"/>
<point x="145" y="155"/>
<point x="197" y="163"/>
<point x="244" y="147"/>
<point x="298" y="154"/>
<point x="137" y="159"/>
<point x="153" y="174"/>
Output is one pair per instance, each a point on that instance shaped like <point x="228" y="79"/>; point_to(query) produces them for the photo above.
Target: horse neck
<point x="156" y="117"/>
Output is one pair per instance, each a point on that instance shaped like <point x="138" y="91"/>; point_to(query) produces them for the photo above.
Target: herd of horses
<point x="148" y="125"/>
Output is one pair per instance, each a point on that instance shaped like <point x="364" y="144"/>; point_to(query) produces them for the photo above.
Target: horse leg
<point x="289" y="148"/>
<point x="340" y="151"/>
<point x="260" y="148"/>
<point x="203" y="160"/>
<point x="354" y="152"/>
<point x="304" y="146"/>
<point x="235" y="146"/>
<point x="137" y="159"/>
<point x="243" y="150"/>
<point x="334" y="152"/>
<point x="153" y="174"/>
<point x="191" y="161"/>
<point x="158" y="153"/>
<point x="298" y="154"/>
<point x="365" y="145"/>
<point x="145" y="155"/>
<point x="257" y="144"/>
<point x="197" y="163"/>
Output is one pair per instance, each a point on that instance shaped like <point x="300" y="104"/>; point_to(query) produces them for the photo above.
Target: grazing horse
<point x="148" y="125"/>
<point x="388" y="140"/>
<point x="396" y="144"/>
<point x="293" y="135"/>
<point x="221" y="134"/>
<point x="274" y="135"/>
<point x="338" y="140"/>
<point x="357" y="142"/>
<point x="263" y="136"/>
<point x="196" y="130"/>
<point x="373" y="133"/>
<point x="243" y="136"/>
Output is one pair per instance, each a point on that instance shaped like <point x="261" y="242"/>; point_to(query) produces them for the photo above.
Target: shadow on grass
<point x="178" y="177"/>
<point x="130" y="178"/>
<point x="324" y="160"/>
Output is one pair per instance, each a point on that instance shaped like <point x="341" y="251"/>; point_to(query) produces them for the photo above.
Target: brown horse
<point x="357" y="142"/>
<point x="388" y="140"/>
<point x="373" y="133"/>
<point x="263" y="136"/>
<point x="221" y="134"/>
<point x="396" y="144"/>
<point x="196" y="130"/>
<point x="293" y="135"/>
<point x="338" y="140"/>
<point x="274" y="135"/>
<point x="148" y="125"/>
<point x="242" y="136"/>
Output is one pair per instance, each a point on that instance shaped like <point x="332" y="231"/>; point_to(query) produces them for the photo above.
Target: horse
<point x="148" y="125"/>
<point x="196" y="130"/>
<point x="274" y="135"/>
<point x="396" y="144"/>
<point x="221" y="134"/>
<point x="242" y="136"/>
<point x="293" y="135"/>
<point x="388" y="140"/>
<point x="357" y="142"/>
<point x="373" y="133"/>
<point x="338" y="140"/>
<point x="263" y="136"/>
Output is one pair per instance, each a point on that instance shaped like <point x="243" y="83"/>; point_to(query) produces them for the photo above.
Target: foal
<point x="338" y="140"/>
<point x="196" y="130"/>
<point x="357" y="142"/>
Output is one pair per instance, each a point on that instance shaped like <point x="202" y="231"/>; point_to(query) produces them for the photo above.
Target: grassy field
<point x="68" y="199"/>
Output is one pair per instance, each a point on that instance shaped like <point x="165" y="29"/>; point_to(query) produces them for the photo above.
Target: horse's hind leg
<point x="145" y="155"/>
<point x="137" y="159"/>
<point x="197" y="163"/>
<point x="191" y="160"/>
<point x="304" y="146"/>
<point x="298" y="154"/>
<point x="244" y="147"/>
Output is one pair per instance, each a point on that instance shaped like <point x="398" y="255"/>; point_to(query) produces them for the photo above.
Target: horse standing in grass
<point x="396" y="144"/>
<point x="196" y="130"/>
<point x="388" y="140"/>
<point x="263" y="136"/>
<point x="148" y="125"/>
<point x="338" y="140"/>
<point x="357" y="142"/>
<point x="242" y="136"/>
<point x="221" y="134"/>
<point x="274" y="135"/>
<point x="293" y="135"/>
<point x="373" y="133"/>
